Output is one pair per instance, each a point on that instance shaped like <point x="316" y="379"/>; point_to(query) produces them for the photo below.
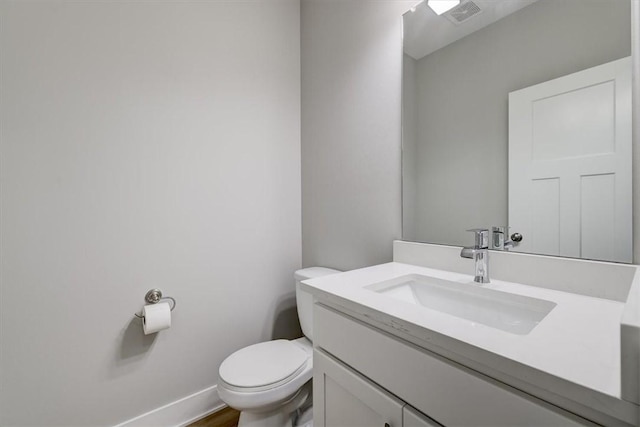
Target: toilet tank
<point x="304" y="299"/>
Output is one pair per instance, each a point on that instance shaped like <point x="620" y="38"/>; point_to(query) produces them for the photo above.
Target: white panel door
<point x="570" y="164"/>
<point x="343" y="398"/>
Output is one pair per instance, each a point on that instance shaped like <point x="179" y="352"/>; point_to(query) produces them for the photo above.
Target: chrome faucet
<point x="479" y="253"/>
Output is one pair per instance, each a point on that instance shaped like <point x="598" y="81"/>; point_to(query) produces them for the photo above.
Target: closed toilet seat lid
<point x="263" y="365"/>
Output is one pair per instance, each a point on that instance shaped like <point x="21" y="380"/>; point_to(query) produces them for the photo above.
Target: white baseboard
<point x="182" y="412"/>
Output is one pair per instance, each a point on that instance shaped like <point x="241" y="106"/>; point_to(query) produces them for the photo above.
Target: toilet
<point x="270" y="382"/>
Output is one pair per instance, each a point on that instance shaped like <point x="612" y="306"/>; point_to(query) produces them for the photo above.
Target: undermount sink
<point x="512" y="313"/>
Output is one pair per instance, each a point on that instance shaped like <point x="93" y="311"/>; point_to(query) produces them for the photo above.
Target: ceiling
<point x="425" y="32"/>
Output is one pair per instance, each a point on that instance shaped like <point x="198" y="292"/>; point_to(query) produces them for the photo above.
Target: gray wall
<point x="351" y="86"/>
<point x="635" y="46"/>
<point x="463" y="109"/>
<point x="143" y="144"/>
<point x="409" y="146"/>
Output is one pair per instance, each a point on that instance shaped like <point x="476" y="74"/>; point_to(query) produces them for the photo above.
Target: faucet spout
<point x="468" y="252"/>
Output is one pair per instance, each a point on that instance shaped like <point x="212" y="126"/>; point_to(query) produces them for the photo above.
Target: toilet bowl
<point x="270" y="382"/>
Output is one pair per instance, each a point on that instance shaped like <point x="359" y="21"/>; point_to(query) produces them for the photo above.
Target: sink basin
<point x="512" y="313"/>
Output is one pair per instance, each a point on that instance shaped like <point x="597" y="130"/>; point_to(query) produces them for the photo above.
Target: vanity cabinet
<point x="364" y="376"/>
<point x="342" y="397"/>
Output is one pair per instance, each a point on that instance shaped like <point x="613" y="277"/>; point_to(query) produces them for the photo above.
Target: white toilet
<point x="269" y="383"/>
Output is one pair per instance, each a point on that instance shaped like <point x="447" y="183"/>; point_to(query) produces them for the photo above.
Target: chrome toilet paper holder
<point x="154" y="296"/>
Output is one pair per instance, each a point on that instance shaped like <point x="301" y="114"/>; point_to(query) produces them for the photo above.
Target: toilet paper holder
<point x="154" y="296"/>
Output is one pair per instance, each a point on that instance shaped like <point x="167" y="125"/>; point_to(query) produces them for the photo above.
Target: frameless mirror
<point x="517" y="118"/>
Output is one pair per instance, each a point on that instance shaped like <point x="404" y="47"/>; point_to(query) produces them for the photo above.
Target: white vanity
<point x="549" y="342"/>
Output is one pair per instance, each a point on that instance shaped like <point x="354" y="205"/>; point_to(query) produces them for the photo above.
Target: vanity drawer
<point x="447" y="392"/>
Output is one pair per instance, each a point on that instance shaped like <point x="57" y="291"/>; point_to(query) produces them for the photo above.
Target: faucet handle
<point x="481" y="238"/>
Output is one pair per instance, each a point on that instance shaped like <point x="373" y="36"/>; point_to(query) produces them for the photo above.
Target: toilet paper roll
<point x="156" y="317"/>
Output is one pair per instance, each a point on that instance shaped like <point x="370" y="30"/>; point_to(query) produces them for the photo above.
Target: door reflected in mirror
<point x="517" y="118"/>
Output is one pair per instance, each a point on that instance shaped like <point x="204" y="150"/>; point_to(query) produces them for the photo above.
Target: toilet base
<point x="279" y="417"/>
<point x="273" y="419"/>
<point x="304" y="418"/>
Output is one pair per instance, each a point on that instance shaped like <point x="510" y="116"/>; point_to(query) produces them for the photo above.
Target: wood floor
<point x="225" y="418"/>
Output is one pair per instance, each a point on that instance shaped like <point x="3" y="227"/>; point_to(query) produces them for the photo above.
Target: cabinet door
<point x="413" y="418"/>
<point x="342" y="397"/>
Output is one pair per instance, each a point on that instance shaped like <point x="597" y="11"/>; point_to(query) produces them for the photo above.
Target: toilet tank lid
<point x="312" y="272"/>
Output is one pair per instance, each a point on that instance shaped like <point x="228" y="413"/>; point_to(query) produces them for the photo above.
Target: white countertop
<point x="578" y="341"/>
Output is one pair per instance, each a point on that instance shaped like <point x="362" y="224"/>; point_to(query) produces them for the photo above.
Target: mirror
<point x="517" y="118"/>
